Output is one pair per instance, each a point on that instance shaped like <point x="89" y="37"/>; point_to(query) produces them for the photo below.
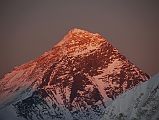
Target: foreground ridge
<point x="139" y="103"/>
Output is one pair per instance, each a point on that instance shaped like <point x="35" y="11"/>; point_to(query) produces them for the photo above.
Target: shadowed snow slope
<point x="139" y="103"/>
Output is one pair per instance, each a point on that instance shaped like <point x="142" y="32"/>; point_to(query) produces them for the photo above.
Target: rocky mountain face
<point x="76" y="80"/>
<point x="139" y="103"/>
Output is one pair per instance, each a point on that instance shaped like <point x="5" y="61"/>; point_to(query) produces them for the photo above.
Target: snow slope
<point x="139" y="103"/>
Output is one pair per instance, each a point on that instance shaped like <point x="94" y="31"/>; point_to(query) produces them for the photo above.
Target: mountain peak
<point x="78" y="37"/>
<point x="76" y="77"/>
<point x="81" y="31"/>
<point x="77" y="30"/>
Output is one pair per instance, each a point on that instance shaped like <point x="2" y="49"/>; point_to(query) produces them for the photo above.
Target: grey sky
<point x="30" y="27"/>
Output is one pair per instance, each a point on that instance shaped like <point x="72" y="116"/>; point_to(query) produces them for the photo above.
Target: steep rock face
<point x="76" y="79"/>
<point x="139" y="103"/>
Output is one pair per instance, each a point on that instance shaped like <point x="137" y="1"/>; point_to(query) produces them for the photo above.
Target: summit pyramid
<point x="75" y="80"/>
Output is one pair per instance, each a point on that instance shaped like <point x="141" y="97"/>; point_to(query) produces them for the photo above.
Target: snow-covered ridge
<point x="138" y="103"/>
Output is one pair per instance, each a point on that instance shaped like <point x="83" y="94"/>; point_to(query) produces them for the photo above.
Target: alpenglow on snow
<point x="75" y="80"/>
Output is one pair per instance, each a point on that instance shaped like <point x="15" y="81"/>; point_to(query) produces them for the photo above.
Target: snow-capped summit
<point x="76" y="79"/>
<point x="78" y="42"/>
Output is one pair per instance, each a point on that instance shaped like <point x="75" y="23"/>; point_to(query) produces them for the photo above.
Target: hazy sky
<point x="30" y="27"/>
